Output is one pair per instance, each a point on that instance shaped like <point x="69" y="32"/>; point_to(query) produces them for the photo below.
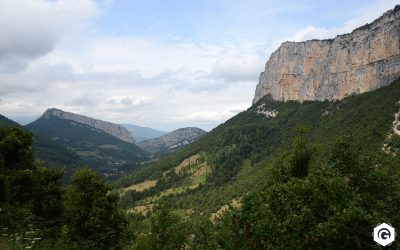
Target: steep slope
<point x="143" y="133"/>
<point x="237" y="152"/>
<point x="364" y="60"/>
<point x="96" y="148"/>
<point x="171" y="141"/>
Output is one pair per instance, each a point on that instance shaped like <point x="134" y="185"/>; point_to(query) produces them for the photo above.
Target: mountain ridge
<point x="112" y="129"/>
<point x="97" y="149"/>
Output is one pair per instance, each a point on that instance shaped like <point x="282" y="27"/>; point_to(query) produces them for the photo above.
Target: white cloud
<point x="30" y="29"/>
<point x="129" y="101"/>
<point x="369" y="14"/>
<point x="213" y="115"/>
<point x="238" y="68"/>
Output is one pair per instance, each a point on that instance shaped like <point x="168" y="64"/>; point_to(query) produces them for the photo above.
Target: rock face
<point x="364" y="60"/>
<point x="107" y="127"/>
<point x="171" y="141"/>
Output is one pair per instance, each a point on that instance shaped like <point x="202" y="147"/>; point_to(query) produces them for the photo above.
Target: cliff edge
<point x="363" y="60"/>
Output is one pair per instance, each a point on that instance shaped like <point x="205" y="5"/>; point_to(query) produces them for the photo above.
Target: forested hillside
<point x="305" y="161"/>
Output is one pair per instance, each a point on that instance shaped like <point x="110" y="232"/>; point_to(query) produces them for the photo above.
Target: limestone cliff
<point x="108" y="127"/>
<point x="366" y="59"/>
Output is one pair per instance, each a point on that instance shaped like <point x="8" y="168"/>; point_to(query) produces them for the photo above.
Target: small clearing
<point x="396" y="123"/>
<point x="395" y="131"/>
<point x="140" y="187"/>
<point x="109" y="146"/>
<point x="192" y="160"/>
<point x="235" y="203"/>
<point x="141" y="209"/>
<point x="262" y="110"/>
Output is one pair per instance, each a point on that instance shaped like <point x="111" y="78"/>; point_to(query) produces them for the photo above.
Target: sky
<point x="164" y="64"/>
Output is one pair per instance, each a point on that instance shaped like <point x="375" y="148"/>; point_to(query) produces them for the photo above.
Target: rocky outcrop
<point x="171" y="141"/>
<point x="364" y="60"/>
<point x="107" y="127"/>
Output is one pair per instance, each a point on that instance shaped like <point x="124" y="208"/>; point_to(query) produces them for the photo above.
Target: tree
<point x="17" y="165"/>
<point x="15" y="149"/>
<point x="167" y="231"/>
<point x="47" y="205"/>
<point x="92" y="214"/>
<point x="346" y="158"/>
<point x="301" y="154"/>
<point x="29" y="193"/>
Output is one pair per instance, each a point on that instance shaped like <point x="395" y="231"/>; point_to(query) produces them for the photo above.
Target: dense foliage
<point x="38" y="211"/>
<point x="337" y="206"/>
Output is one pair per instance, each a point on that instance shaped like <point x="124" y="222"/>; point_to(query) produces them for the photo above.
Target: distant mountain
<point x="143" y="133"/>
<point x="171" y="141"/>
<point x="107" y="127"/>
<point x="98" y="144"/>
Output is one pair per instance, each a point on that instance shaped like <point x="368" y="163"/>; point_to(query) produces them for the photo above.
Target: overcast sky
<point x="165" y="64"/>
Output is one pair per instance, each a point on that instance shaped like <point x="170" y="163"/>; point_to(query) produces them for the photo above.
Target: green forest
<point x="319" y="175"/>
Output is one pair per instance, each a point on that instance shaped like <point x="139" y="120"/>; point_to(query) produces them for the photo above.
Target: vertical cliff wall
<point x="364" y="60"/>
